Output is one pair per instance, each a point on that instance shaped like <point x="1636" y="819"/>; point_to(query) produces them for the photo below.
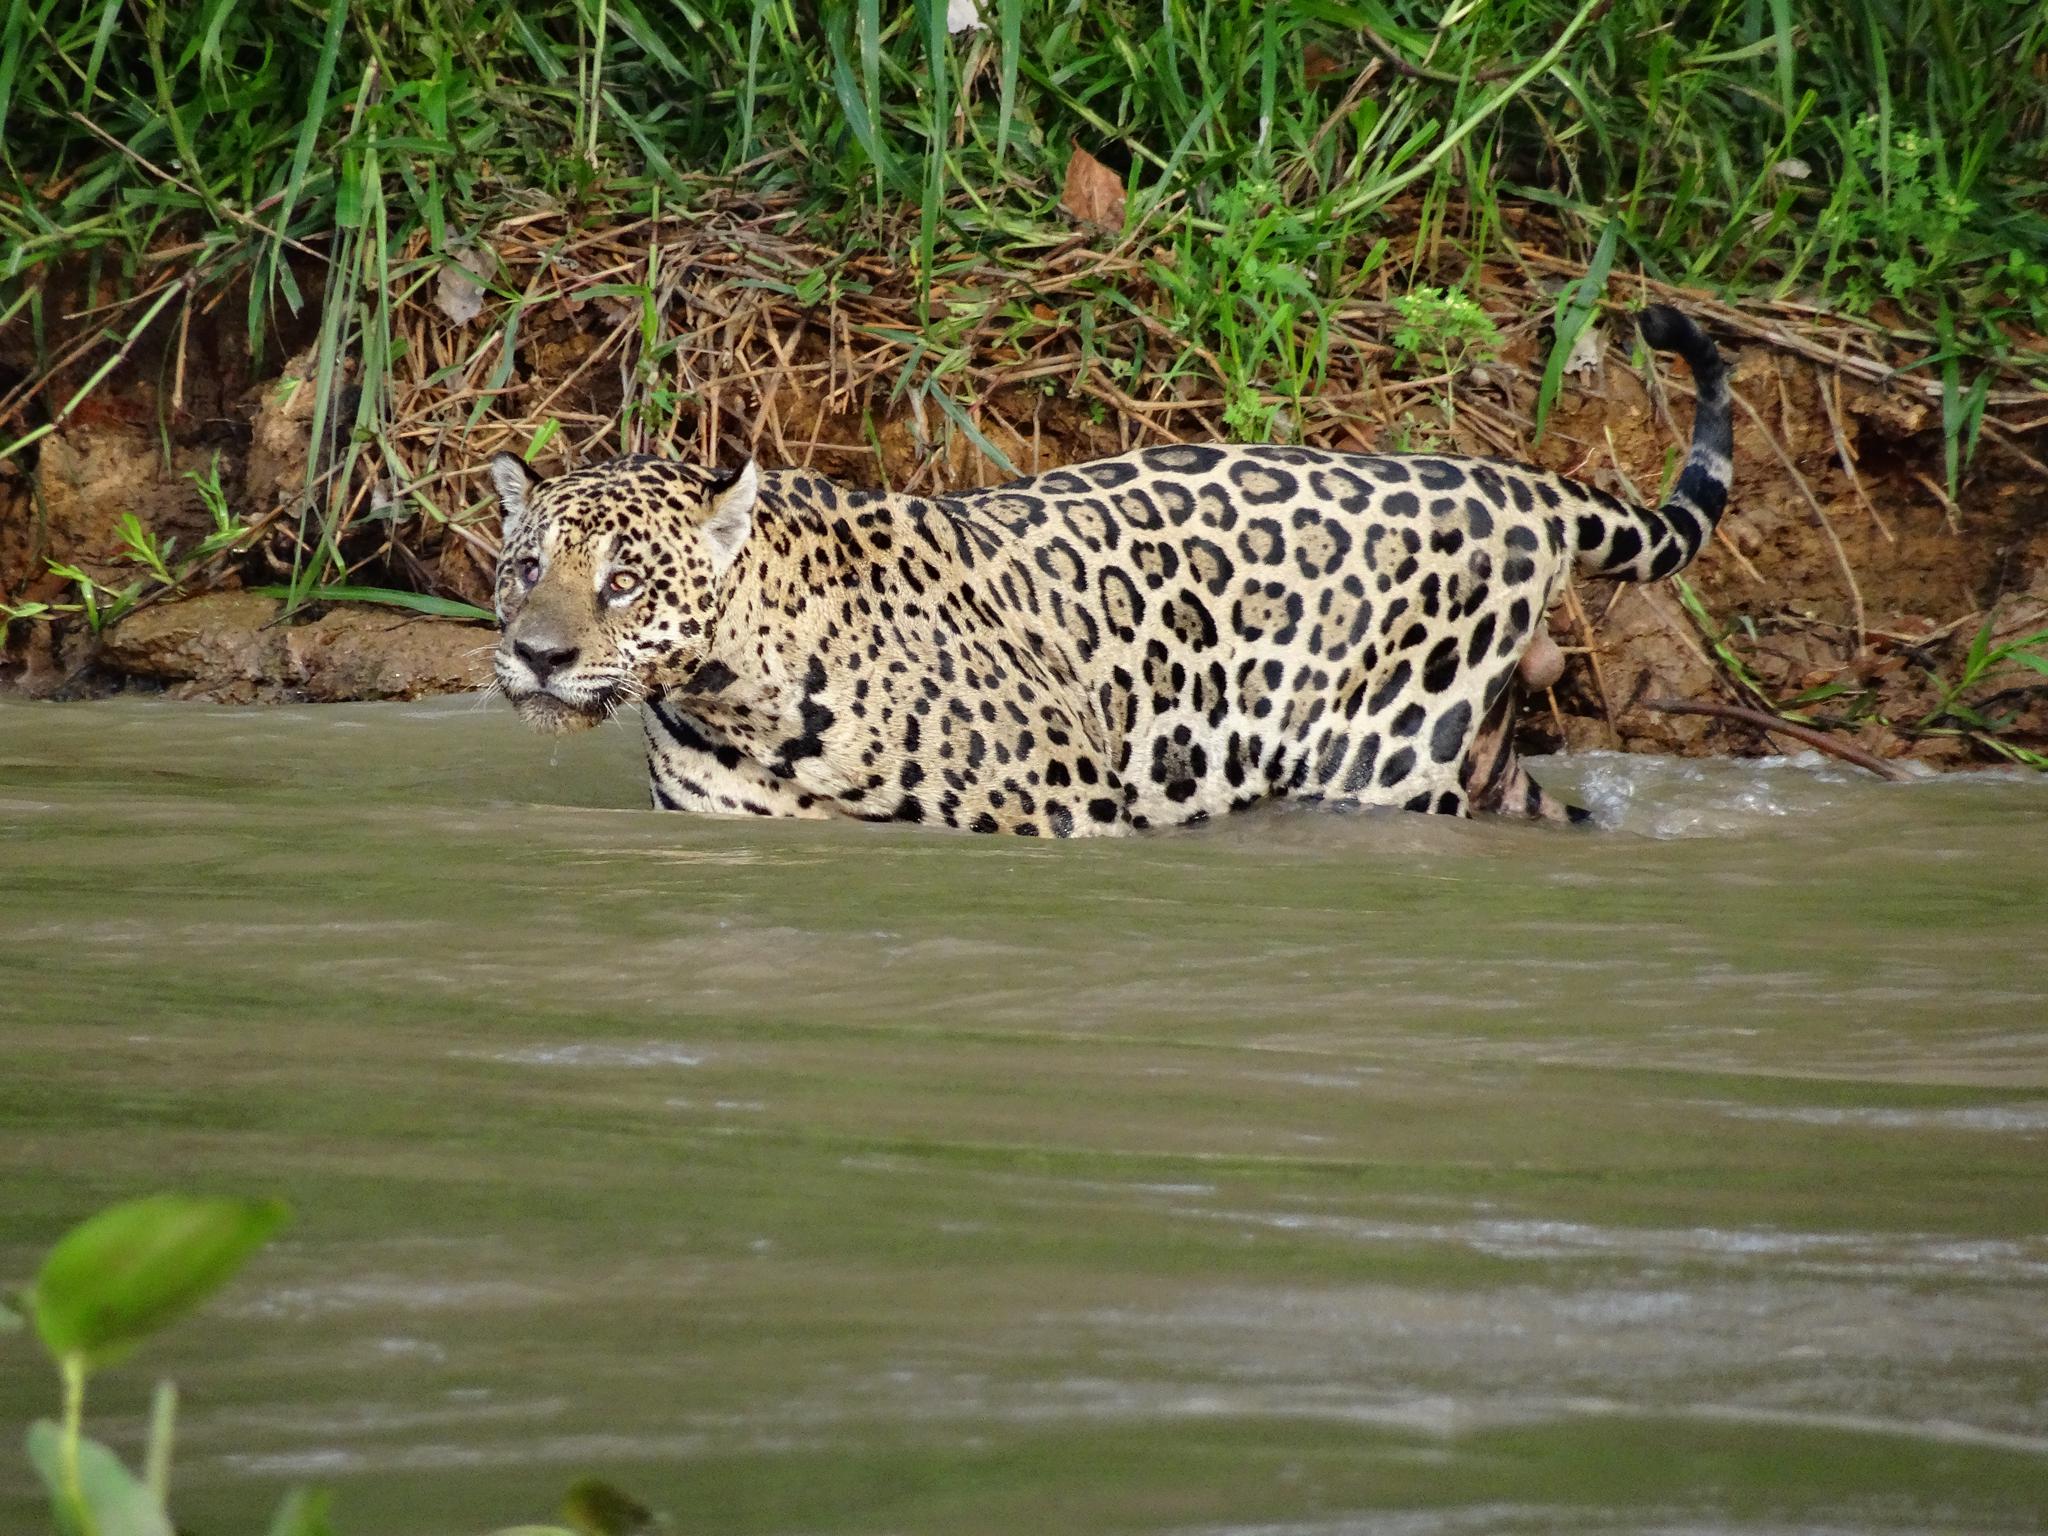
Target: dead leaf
<point x="1317" y="63"/>
<point x="460" y="293"/>
<point x="1587" y="351"/>
<point x="1094" y="193"/>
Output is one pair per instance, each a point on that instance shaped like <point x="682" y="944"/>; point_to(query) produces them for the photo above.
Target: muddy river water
<point x="1309" y="1174"/>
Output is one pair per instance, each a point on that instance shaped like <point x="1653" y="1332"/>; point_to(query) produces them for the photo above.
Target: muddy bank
<point x="1845" y="583"/>
<point x="232" y="648"/>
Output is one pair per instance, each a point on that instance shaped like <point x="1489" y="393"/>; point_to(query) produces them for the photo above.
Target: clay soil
<point x="1844" y="576"/>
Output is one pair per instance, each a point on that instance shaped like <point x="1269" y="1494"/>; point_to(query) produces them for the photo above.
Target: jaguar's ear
<point x="512" y="477"/>
<point x="732" y="496"/>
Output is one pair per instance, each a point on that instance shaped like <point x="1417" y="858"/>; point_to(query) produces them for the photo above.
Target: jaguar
<point x="1148" y="640"/>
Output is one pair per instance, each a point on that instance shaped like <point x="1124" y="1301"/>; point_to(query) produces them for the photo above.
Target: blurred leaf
<point x="303" y="1513"/>
<point x="595" y="1507"/>
<point x="10" y="1320"/>
<point x="119" y="1276"/>
<point x="115" y="1502"/>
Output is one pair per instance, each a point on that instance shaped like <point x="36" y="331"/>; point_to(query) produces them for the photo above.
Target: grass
<point x="1871" y="173"/>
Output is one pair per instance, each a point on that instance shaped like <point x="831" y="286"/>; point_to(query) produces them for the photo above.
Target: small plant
<point x="1952" y="717"/>
<point x="109" y="1284"/>
<point x="164" y="570"/>
<point x="23" y="612"/>
<point x="1246" y="416"/>
<point x="1246" y="287"/>
<point x="1443" y="332"/>
<point x="121" y="1276"/>
<point x="1717" y="640"/>
<point x="1903" y="222"/>
<point x="102" y="605"/>
<point x="1909" y="220"/>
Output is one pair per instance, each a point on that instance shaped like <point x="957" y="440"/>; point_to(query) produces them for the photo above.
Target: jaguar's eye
<point x="622" y="582"/>
<point x="529" y="570"/>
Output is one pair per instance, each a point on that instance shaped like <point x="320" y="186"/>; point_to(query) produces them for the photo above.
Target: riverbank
<point x="929" y="256"/>
<point x="1847" y="589"/>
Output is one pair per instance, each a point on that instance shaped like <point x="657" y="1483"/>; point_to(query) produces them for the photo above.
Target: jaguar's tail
<point x="1645" y="543"/>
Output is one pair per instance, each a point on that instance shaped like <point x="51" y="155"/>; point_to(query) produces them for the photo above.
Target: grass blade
<point x="389" y="597"/>
<point x="1575" y="308"/>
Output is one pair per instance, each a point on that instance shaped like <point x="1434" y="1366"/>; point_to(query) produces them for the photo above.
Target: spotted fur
<point x="1148" y="640"/>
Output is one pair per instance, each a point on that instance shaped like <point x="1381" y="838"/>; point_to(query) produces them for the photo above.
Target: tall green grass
<point x="1886" y="159"/>
<point x="249" y="121"/>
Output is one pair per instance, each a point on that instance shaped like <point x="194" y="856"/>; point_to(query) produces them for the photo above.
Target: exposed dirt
<point x="1870" y="585"/>
<point x="228" y="647"/>
<point x="1860" y="592"/>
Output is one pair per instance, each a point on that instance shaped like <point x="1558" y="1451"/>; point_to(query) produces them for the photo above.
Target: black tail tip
<point x="1669" y="331"/>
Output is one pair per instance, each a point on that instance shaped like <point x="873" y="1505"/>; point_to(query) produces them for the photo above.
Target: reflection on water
<point x="1312" y="1173"/>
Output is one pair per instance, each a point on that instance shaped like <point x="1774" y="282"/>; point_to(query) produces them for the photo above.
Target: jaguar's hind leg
<point x="1495" y="781"/>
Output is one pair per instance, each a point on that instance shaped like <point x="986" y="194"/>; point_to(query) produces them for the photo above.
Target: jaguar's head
<point x="609" y="580"/>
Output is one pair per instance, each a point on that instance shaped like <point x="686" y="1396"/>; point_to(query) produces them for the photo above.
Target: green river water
<point x="1305" y="1175"/>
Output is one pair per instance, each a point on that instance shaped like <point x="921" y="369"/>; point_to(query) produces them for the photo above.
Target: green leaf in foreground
<point x="115" y="1502"/>
<point x="119" y="1276"/>
<point x="391" y="597"/>
<point x="303" y="1513"/>
<point x="594" y="1507"/>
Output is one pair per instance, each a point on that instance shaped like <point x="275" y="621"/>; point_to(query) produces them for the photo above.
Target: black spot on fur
<point x="1626" y="545"/>
<point x="711" y="677"/>
<point x="1447" y="736"/>
<point x="1441" y="669"/>
<point x="1390" y="689"/>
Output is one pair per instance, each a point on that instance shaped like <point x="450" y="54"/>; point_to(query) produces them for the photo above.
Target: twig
<point x="1578" y="611"/>
<point x="1949" y="514"/>
<point x="1820" y="517"/>
<point x="2006" y="436"/>
<point x="1828" y="388"/>
<point x="1820" y="741"/>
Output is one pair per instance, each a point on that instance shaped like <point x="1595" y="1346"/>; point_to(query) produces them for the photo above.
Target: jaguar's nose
<point x="543" y="658"/>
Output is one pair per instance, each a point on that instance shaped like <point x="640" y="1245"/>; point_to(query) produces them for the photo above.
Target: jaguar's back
<point x="1150" y="639"/>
